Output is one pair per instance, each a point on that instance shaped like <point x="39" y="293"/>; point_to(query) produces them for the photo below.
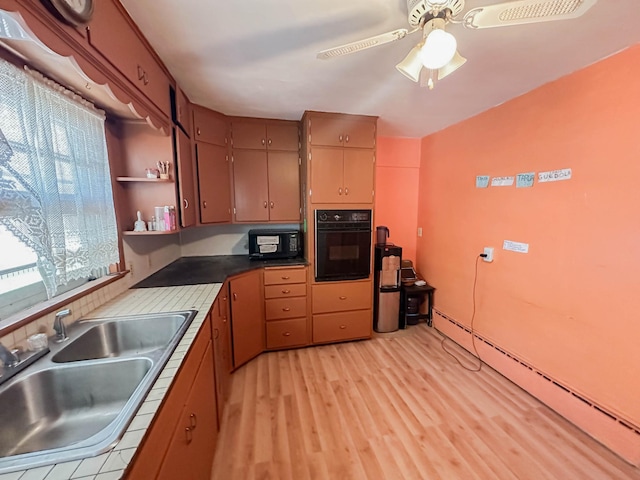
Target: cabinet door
<point x="185" y="179"/>
<point x="209" y="126"/>
<point x="190" y="454"/>
<point x="249" y="134"/>
<point x="247" y="322"/>
<point x="358" y="176"/>
<point x="284" y="186"/>
<point x="214" y="183"/>
<point x="251" y="191"/>
<point x="326" y="175"/>
<point x="326" y="131"/>
<point x="221" y="355"/>
<point x="183" y="110"/>
<point x="283" y="136"/>
<point x="359" y="133"/>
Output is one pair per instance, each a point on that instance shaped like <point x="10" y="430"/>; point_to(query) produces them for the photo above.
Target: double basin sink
<point x="78" y="400"/>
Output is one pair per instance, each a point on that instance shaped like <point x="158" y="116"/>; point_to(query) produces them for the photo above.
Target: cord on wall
<point x="473" y="316"/>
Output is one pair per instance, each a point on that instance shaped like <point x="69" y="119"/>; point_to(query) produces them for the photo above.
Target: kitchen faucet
<point x="8" y="358"/>
<point x="59" y="327"/>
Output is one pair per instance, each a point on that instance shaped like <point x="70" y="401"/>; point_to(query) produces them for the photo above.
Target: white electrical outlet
<point x="488" y="251"/>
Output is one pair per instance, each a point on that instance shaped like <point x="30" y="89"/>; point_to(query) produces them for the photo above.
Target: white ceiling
<point x="258" y="57"/>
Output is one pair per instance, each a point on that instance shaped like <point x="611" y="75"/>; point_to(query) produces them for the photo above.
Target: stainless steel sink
<point x="77" y="401"/>
<point x="131" y="335"/>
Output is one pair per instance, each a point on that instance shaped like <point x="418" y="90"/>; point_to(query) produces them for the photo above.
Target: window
<point x="57" y="218"/>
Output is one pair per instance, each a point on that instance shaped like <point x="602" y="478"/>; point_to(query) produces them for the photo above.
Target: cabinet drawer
<point x="287" y="333"/>
<point x="284" y="290"/>
<point x="284" y="275"/>
<point x="339" y="297"/>
<point x="286" y="308"/>
<point x="334" y="327"/>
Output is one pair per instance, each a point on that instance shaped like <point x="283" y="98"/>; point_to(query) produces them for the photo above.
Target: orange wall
<point x="569" y="307"/>
<point x="397" y="173"/>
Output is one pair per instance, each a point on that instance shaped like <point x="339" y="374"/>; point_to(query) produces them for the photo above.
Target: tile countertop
<point x="214" y="269"/>
<point x="111" y="464"/>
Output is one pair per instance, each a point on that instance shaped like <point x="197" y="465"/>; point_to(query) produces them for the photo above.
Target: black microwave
<point x="270" y="243"/>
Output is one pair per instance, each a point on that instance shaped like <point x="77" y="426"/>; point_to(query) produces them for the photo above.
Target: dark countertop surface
<point x="214" y="269"/>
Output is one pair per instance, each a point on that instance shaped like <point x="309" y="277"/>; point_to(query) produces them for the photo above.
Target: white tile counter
<point x="111" y="465"/>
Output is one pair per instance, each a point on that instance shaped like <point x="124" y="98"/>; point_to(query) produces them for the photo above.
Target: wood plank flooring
<point x="395" y="407"/>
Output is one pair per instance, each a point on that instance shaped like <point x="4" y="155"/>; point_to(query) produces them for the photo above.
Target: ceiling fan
<point x="436" y="54"/>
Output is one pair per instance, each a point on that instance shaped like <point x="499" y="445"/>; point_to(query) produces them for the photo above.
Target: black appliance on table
<point x="342" y="244"/>
<point x="386" y="284"/>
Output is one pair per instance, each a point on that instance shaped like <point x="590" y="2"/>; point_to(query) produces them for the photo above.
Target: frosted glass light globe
<point x="438" y="50"/>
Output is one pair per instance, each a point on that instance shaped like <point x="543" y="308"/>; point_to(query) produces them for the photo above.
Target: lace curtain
<point x="55" y="183"/>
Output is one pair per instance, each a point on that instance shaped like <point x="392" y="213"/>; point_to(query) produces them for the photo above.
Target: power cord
<point x="473" y="316"/>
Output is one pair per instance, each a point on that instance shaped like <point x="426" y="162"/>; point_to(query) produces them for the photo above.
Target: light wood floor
<point x="395" y="407"/>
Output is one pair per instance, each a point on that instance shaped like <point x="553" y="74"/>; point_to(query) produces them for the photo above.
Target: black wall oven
<point x="343" y="244"/>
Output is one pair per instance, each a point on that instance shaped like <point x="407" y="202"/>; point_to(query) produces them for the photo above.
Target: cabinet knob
<point x="235" y="296"/>
<point x="346" y="191"/>
<point x="346" y="139"/>
<point x="216" y="333"/>
<point x="186" y="203"/>
<point x="265" y="204"/>
<point x="272" y="204"/>
<point x="188" y="435"/>
<point x="343" y="327"/>
<point x="286" y="309"/>
<point x="340" y="138"/>
<point x="269" y="141"/>
<point x="198" y="132"/>
<point x="342" y="298"/>
<point x="193" y="421"/>
<point x="145" y="78"/>
<point x="340" y="191"/>
<point x="286" y="334"/>
<point x="263" y="141"/>
<point x="140" y="72"/>
<point x="286" y="291"/>
<point x="204" y="204"/>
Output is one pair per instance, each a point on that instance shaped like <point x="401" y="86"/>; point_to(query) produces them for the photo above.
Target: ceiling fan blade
<point x="525" y="11"/>
<point x="365" y="43"/>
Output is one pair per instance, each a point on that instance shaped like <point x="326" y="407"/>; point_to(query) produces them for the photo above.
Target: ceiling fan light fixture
<point x="412" y="64"/>
<point x="438" y="50"/>
<point x="456" y="62"/>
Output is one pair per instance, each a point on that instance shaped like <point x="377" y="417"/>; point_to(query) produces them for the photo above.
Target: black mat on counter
<point x="214" y="269"/>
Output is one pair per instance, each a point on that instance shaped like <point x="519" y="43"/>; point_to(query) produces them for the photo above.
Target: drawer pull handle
<point x="235" y="296"/>
<point x="188" y="434"/>
<point x="286" y="334"/>
<point x="193" y="420"/>
<point x="286" y="309"/>
<point x="186" y="203"/>
<point x="285" y="278"/>
<point x="286" y="291"/>
<point x="343" y="327"/>
<point x="342" y="298"/>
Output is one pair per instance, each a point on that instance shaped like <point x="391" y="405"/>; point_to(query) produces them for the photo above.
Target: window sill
<point x="28" y="315"/>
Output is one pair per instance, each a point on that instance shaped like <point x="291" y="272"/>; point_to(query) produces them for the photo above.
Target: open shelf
<point x="144" y="179"/>
<point x="153" y="232"/>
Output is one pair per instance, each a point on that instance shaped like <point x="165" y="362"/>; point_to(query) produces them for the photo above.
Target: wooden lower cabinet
<point x="222" y="348"/>
<point x="247" y="317"/>
<point x="336" y="327"/>
<point x="150" y="455"/>
<point x="192" y="447"/>
<point x="286" y="333"/>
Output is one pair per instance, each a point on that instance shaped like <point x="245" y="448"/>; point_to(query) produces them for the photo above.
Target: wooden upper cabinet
<point x="335" y="130"/>
<point x="257" y="134"/>
<point x="342" y="175"/>
<point x="251" y="190"/>
<point x="284" y="186"/>
<point x="113" y="35"/>
<point x="181" y="110"/>
<point x="214" y="183"/>
<point x="209" y="126"/>
<point x="186" y="187"/>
